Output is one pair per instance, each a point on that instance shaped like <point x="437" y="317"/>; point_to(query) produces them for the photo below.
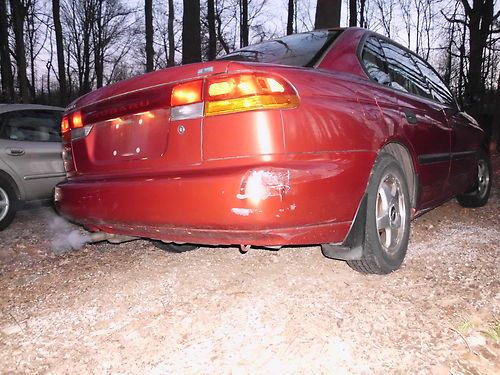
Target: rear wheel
<point x="172" y="247"/>
<point x="478" y="196"/>
<point x="8" y="202"/>
<point x="387" y="227"/>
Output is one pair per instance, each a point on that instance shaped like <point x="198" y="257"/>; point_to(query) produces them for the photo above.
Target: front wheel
<point x="478" y="196"/>
<point x="387" y="227"/>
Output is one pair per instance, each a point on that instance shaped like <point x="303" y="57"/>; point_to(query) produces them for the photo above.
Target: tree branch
<point x="453" y="20"/>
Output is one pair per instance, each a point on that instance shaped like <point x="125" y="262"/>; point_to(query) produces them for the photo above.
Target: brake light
<point x="72" y="127"/>
<point x="76" y="120"/>
<point x="64" y="125"/>
<point x="187" y="93"/>
<point x="231" y="93"/>
<point x="246" y="92"/>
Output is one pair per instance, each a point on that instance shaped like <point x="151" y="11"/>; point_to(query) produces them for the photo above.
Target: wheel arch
<point x="8" y="179"/>
<point x="402" y="154"/>
<point x="351" y="248"/>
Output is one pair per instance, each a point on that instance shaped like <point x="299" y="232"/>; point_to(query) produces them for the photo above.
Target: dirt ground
<point x="134" y="309"/>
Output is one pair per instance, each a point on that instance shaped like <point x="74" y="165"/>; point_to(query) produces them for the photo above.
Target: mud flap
<point x="352" y="247"/>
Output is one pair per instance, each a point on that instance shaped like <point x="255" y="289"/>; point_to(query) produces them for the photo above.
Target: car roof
<point x="18" y="107"/>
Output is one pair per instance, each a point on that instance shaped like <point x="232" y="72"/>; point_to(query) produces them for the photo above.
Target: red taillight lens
<point x="72" y="122"/>
<point x="187" y="93"/>
<point x="64" y="125"/>
<point x="76" y="120"/>
<point x="246" y="92"/>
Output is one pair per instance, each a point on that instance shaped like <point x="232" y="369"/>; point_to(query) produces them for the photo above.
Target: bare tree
<point x="63" y="91"/>
<point x="386" y="13"/>
<point x="191" y="39"/>
<point x="148" y="12"/>
<point x="353" y="12"/>
<point x="244" y="23"/>
<point x="480" y="21"/>
<point x="290" y="19"/>
<point x="362" y="10"/>
<point x="327" y="14"/>
<point x="6" y="68"/>
<point x="171" y="40"/>
<point x="212" y="33"/>
<point x="18" y="11"/>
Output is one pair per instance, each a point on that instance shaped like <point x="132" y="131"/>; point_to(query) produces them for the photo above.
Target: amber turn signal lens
<point x="187" y="93"/>
<point x="247" y="92"/>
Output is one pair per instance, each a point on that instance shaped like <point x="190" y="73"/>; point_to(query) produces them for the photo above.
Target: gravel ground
<point x="133" y="309"/>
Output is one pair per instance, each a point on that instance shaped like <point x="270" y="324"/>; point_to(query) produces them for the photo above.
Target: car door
<point x="31" y="147"/>
<point x="424" y="123"/>
<point x="465" y="135"/>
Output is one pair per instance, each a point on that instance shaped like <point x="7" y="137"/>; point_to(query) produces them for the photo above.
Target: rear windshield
<point x="296" y="50"/>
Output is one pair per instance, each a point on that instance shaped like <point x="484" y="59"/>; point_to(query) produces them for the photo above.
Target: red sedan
<point x="334" y="137"/>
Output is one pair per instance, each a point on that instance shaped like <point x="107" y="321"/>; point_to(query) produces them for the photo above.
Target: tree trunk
<point x="18" y="14"/>
<point x="212" y="33"/>
<point x="6" y="69"/>
<point x="362" y="4"/>
<point x="171" y="41"/>
<point x="98" y="47"/>
<point x="243" y="23"/>
<point x="353" y="12"/>
<point x="481" y="18"/>
<point x="191" y="40"/>
<point x="291" y="11"/>
<point x="495" y="130"/>
<point x="148" y="11"/>
<point x="327" y="14"/>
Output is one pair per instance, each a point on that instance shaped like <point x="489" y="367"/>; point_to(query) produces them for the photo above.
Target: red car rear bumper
<point x="291" y="203"/>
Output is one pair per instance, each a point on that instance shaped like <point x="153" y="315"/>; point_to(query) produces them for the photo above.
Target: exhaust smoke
<point x="66" y="236"/>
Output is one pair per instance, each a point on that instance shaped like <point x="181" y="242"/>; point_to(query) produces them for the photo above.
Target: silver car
<point x="30" y="156"/>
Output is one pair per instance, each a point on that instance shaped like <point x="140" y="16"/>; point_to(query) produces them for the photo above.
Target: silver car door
<point x="31" y="147"/>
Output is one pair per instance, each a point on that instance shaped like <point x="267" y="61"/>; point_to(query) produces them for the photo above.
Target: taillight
<point x="76" y="120"/>
<point x="186" y="93"/>
<point x="186" y="100"/>
<point x="247" y="92"/>
<point x="65" y="129"/>
<point x="231" y="93"/>
<point x="72" y="127"/>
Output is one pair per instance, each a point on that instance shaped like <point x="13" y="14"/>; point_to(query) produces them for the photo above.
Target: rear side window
<point x="297" y="50"/>
<point x="404" y="73"/>
<point x="31" y="125"/>
<point x="374" y="61"/>
<point x="438" y="88"/>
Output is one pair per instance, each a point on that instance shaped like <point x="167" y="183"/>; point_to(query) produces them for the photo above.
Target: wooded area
<point x="54" y="51"/>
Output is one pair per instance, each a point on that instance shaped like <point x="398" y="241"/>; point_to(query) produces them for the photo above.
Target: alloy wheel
<point x="483" y="178"/>
<point x="4" y="204"/>
<point x="390" y="213"/>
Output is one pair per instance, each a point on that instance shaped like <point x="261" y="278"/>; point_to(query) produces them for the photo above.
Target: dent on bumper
<point x="300" y="202"/>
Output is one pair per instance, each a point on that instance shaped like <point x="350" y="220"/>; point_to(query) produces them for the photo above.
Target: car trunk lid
<point x="131" y="130"/>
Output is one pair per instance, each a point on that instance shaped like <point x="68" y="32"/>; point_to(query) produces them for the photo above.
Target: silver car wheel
<point x="390" y="213"/>
<point x="4" y="204"/>
<point x="483" y="178"/>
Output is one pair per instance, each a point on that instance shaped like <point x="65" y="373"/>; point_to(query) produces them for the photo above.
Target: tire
<point x="172" y="247"/>
<point x="8" y="204"/>
<point x="387" y="226"/>
<point x="478" y="196"/>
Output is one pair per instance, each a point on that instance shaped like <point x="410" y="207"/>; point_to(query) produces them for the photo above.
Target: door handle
<point x="411" y="117"/>
<point x="15" y="151"/>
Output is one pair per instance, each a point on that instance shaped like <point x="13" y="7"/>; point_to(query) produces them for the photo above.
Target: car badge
<point x="208" y="69"/>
